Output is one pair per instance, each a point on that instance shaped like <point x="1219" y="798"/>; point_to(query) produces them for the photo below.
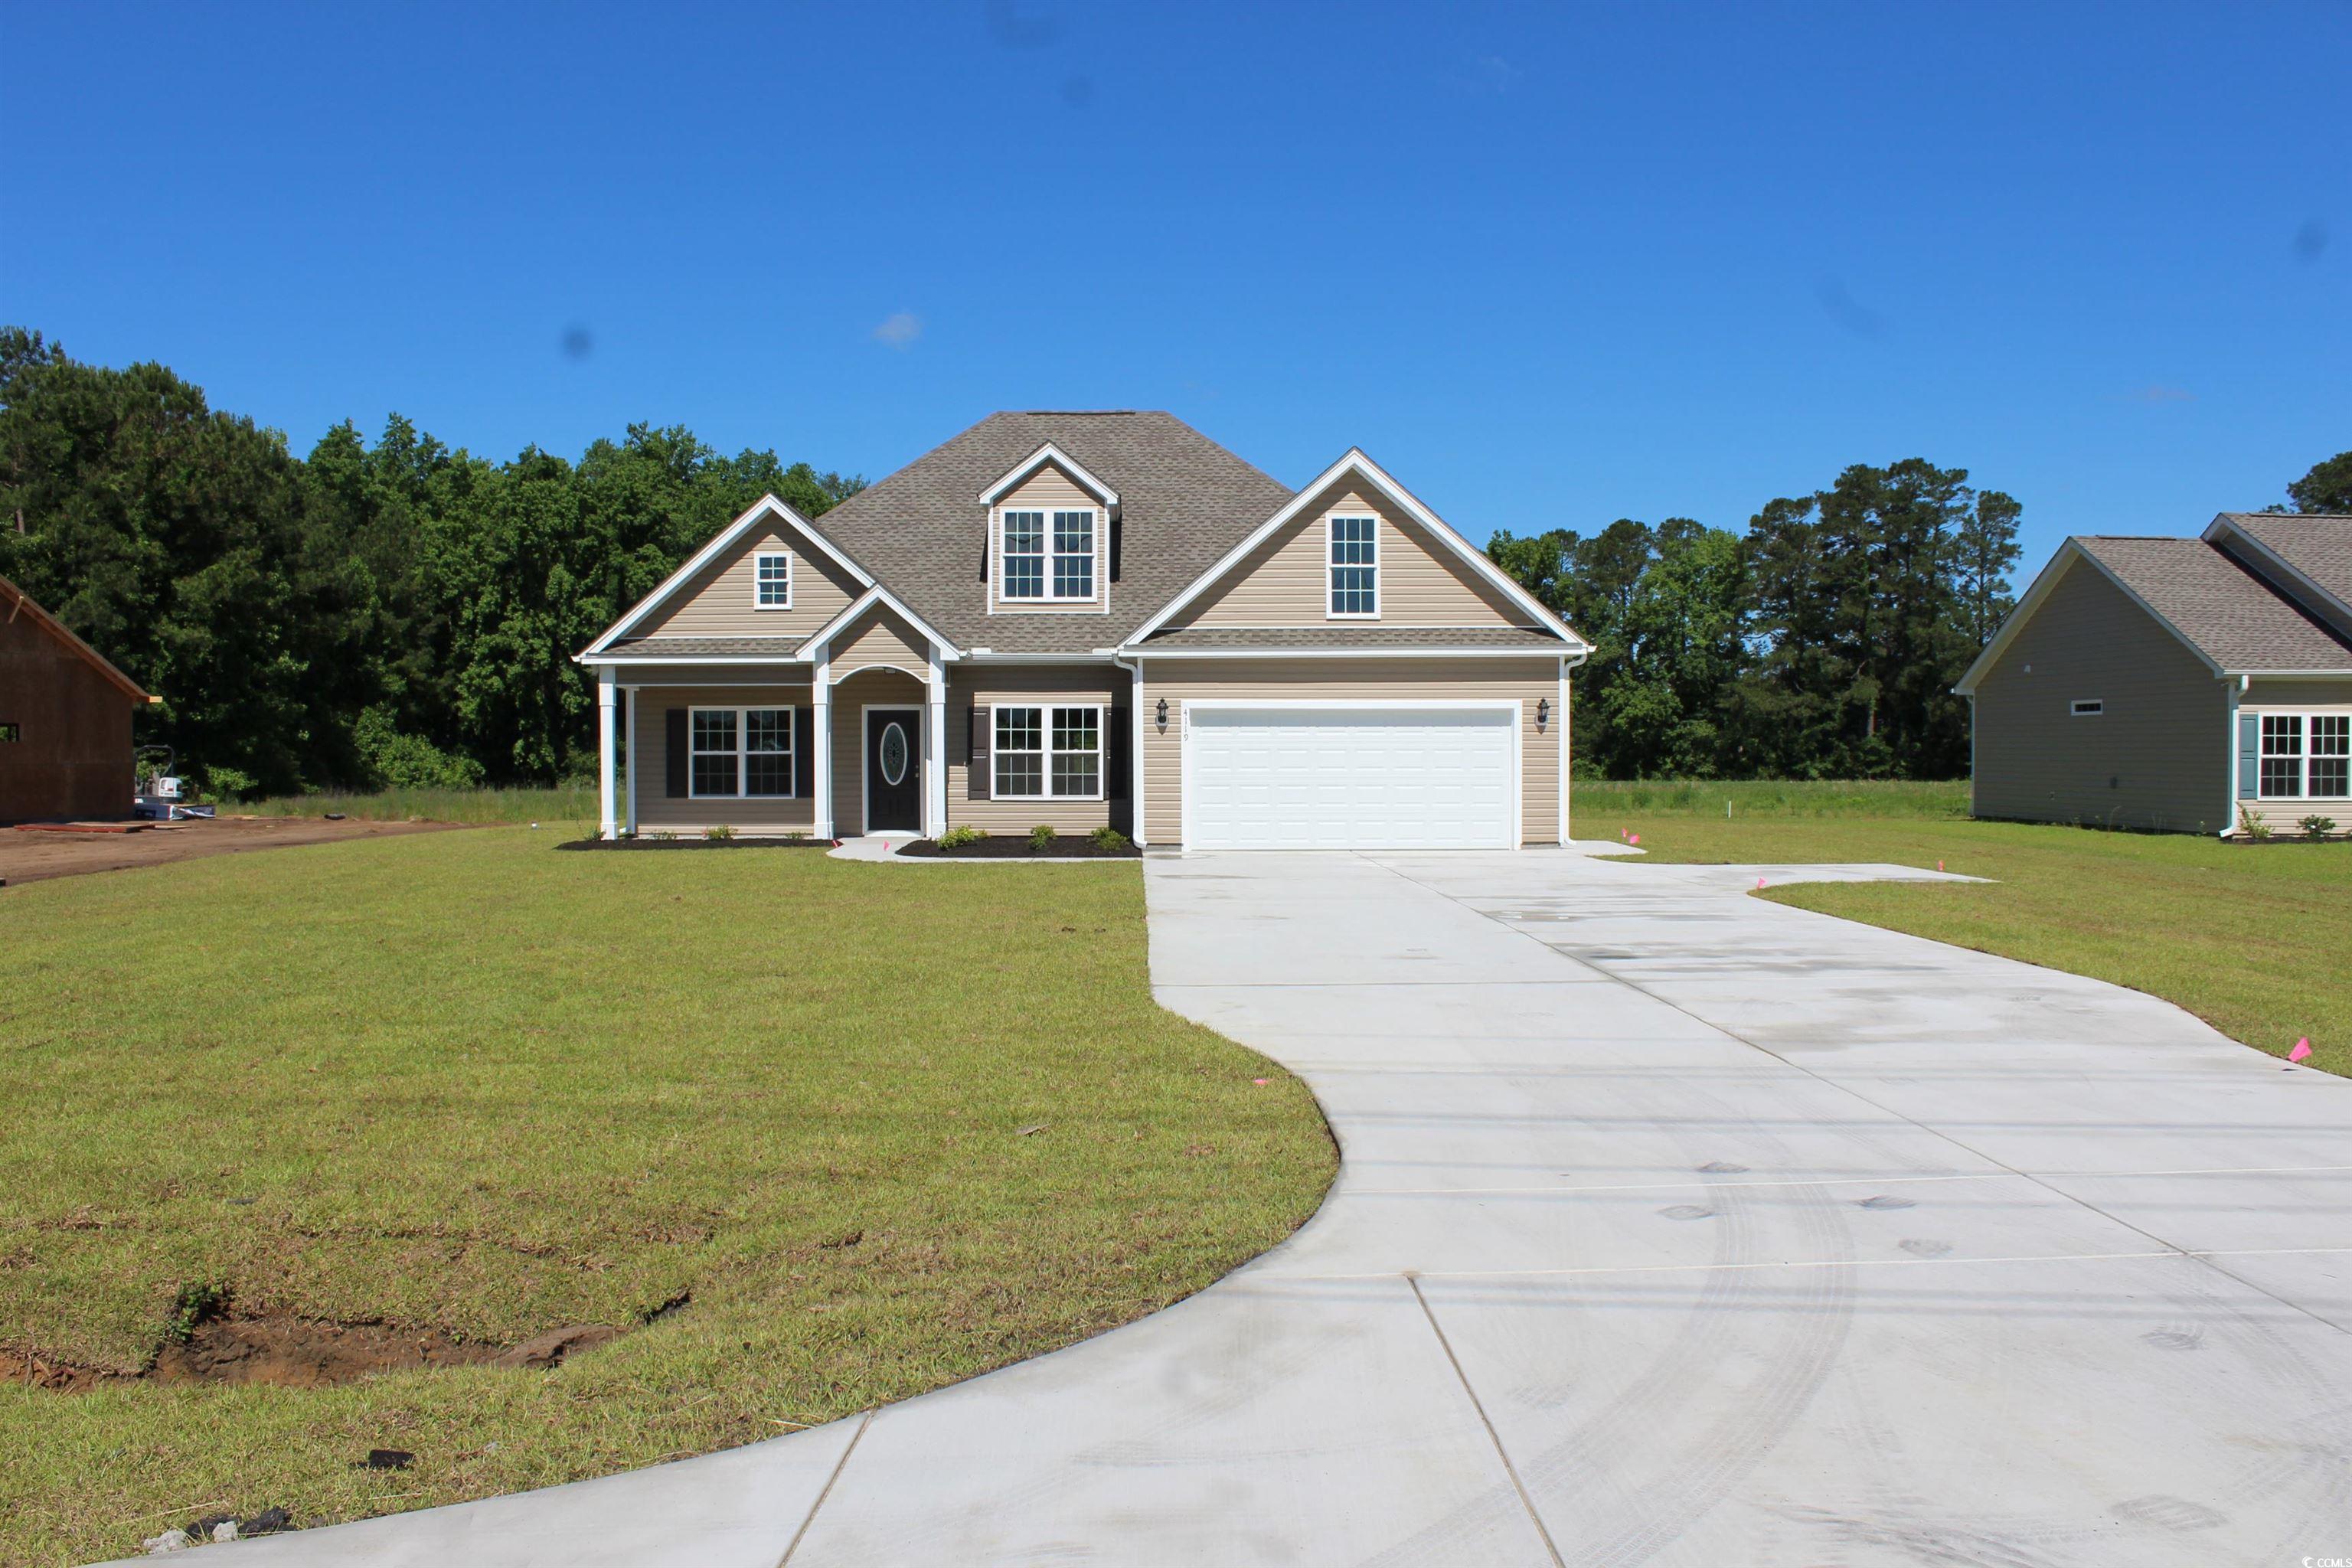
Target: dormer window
<point x="1049" y="555"/>
<point x="771" y="574"/>
<point x="1355" y="568"/>
<point x="1073" y="554"/>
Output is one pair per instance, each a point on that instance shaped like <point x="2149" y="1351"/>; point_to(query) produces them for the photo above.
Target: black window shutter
<point x="804" y="754"/>
<point x="1116" y="524"/>
<point x="978" y="769"/>
<point x="1116" y="748"/>
<point x="675" y="752"/>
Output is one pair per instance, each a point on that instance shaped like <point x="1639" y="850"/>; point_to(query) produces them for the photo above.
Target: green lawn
<point x="2256" y="940"/>
<point x="470" y="1082"/>
<point x="572" y="806"/>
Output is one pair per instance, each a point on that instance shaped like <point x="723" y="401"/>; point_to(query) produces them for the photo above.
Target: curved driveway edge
<point x="1673" y="1227"/>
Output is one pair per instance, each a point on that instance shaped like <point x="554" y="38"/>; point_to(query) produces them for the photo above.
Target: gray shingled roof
<point x="2239" y="622"/>
<point x="1183" y="500"/>
<point x="2317" y="545"/>
<point x="706" y="647"/>
<point x="1405" y="637"/>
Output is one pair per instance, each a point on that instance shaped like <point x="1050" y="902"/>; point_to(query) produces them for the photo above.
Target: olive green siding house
<point x="2197" y="685"/>
<point x="1087" y="619"/>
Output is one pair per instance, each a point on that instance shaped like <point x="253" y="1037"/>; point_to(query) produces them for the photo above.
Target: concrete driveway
<point x="1675" y="1228"/>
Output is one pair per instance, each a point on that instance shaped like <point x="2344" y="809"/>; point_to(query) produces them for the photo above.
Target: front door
<point x="894" y="770"/>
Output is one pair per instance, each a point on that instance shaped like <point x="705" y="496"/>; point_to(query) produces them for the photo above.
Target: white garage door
<point x="1350" y="778"/>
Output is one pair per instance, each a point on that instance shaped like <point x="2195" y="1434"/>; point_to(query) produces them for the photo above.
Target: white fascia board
<point x="1550" y="653"/>
<point x="1356" y="462"/>
<point x="765" y="509"/>
<point x="1101" y="655"/>
<point x="2068" y="553"/>
<point x="875" y="595"/>
<point x="1049" y="453"/>
<point x="647" y="662"/>
<point x="2224" y="527"/>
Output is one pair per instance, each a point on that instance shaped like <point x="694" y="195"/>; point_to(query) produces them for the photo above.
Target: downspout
<point x="1566" y="758"/>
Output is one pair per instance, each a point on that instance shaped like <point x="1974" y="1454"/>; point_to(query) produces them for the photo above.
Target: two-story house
<point x="1089" y="618"/>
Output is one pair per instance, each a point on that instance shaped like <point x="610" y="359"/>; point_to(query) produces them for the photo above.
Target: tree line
<point x="404" y="612"/>
<point x="1822" y="643"/>
<point x="400" y="613"/>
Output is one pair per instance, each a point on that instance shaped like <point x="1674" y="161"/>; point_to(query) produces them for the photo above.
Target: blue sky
<point x="1551" y="265"/>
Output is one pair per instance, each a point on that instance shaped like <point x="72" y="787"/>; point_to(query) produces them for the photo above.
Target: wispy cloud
<point x="2157" y="392"/>
<point x="2310" y="240"/>
<point x="899" y="329"/>
<point x="1486" y="74"/>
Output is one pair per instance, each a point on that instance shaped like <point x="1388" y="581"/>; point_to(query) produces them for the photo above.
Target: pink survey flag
<point x="2302" y="1049"/>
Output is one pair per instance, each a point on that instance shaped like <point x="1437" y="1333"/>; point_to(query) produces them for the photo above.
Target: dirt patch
<point x="293" y="1352"/>
<point x="35" y="855"/>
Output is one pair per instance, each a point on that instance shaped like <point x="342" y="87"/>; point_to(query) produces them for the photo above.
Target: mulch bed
<point x="1015" y="847"/>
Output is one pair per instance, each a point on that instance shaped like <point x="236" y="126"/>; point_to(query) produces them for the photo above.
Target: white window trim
<point x="742" y="752"/>
<point x="1098" y="557"/>
<point x="1331" y="567"/>
<point x="2087" y="708"/>
<point x="2262" y="754"/>
<point x="1045" y="753"/>
<point x="757" y="557"/>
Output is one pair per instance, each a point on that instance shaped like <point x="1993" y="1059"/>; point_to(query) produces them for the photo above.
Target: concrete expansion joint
<point x="1413" y="1280"/>
<point x="830" y="1482"/>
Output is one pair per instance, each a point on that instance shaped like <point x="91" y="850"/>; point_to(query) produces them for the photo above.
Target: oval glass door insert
<point x="894" y="753"/>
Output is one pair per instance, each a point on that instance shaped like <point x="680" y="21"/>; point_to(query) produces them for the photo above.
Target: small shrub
<point x="719" y="831"/>
<point x="962" y="834"/>
<point x="2252" y="827"/>
<point x="2317" y="826"/>
<point x="795" y="835"/>
<point x="1041" y="838"/>
<point x="663" y="835"/>
<point x="1107" y="837"/>
<point x="394" y="761"/>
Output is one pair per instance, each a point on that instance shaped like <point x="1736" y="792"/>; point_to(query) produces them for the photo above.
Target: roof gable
<point x="1043" y="456"/>
<point x="2228" y="616"/>
<point x="1355" y="467"/>
<point x="767" y="511"/>
<point x="20" y="607"/>
<point x="2306" y="555"/>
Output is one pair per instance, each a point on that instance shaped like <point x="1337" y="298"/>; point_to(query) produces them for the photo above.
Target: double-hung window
<point x="1049" y="753"/>
<point x="1354" y="566"/>
<point x="1073" y="554"/>
<point x="1049" y="556"/>
<point x="771" y="574"/>
<point x="2307" y="755"/>
<point x="740" y="753"/>
<point x="1024" y="554"/>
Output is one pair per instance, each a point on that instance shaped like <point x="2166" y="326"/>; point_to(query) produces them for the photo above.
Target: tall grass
<point x="1738" y="798"/>
<point x="561" y="803"/>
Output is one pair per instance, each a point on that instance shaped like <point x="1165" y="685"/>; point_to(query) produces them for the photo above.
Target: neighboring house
<point x="65" y="721"/>
<point x="2190" y="684"/>
<point x="1082" y="619"/>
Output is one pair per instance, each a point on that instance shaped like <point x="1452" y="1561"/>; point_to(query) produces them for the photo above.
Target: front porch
<point x="781" y="750"/>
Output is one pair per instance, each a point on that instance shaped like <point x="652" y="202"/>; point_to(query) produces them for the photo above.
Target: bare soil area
<point x="32" y="855"/>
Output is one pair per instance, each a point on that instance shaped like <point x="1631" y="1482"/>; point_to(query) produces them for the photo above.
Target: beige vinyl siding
<point x="878" y="637"/>
<point x="2297" y="697"/>
<point x="851" y="698"/>
<point x="720" y="602"/>
<point x="1038" y="686"/>
<point x="2160" y="753"/>
<point x="1284" y="582"/>
<point x="1044" y="490"/>
<point x="1403" y="680"/>
<point x="649" y="740"/>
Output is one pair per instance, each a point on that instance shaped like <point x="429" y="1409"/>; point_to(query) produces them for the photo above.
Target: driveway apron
<point x="1673" y="1227"/>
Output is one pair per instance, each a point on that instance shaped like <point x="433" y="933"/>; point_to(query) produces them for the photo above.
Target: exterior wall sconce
<point x="1543" y="713"/>
<point x="1164" y="713"/>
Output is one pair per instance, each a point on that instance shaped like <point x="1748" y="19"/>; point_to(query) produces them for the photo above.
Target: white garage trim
<point x="1505" y="705"/>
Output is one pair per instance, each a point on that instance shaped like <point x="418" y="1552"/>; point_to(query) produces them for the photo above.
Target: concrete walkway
<point x="1675" y="1228"/>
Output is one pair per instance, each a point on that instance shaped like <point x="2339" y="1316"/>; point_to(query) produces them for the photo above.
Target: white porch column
<point x="607" y="737"/>
<point x="1141" y="728"/>
<point x="935" y="753"/>
<point x="821" y="734"/>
